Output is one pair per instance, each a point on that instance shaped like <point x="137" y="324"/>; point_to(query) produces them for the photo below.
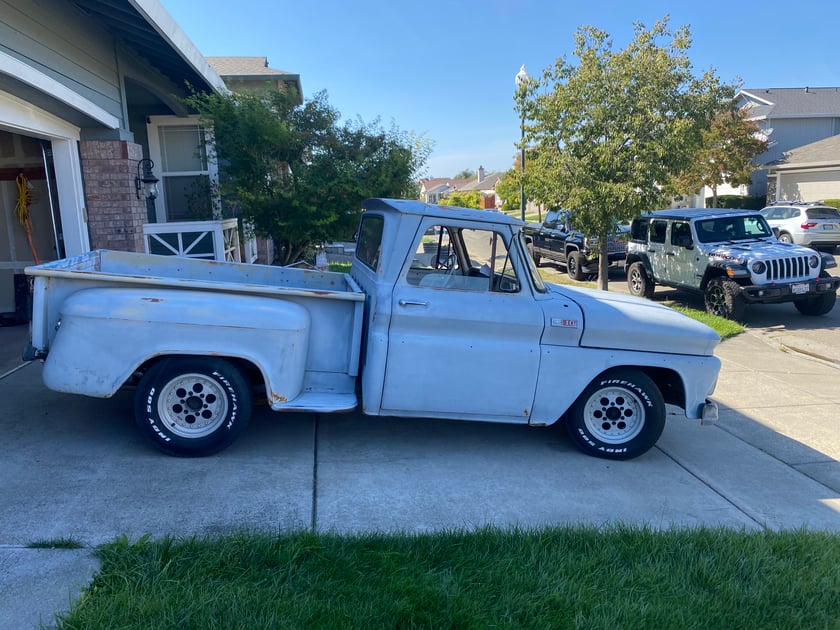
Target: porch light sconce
<point x="146" y="179"/>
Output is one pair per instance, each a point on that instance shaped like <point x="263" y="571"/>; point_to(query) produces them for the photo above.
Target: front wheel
<point x="620" y="415"/>
<point x="723" y="298"/>
<point x="192" y="406"/>
<point x="819" y="304"/>
<point x="638" y="281"/>
<point x="573" y="264"/>
<point x="784" y="237"/>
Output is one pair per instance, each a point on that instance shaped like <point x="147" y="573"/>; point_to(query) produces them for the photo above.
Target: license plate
<point x="830" y="226"/>
<point x="799" y="288"/>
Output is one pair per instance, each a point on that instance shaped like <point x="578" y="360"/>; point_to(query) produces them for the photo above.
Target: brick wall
<point x="115" y="214"/>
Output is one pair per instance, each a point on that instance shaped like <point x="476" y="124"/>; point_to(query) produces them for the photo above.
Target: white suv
<point x="810" y="224"/>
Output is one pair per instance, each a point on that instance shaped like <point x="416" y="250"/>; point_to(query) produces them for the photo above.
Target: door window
<point x="462" y="259"/>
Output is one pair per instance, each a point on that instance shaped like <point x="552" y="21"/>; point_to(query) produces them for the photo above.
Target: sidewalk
<point x="75" y="468"/>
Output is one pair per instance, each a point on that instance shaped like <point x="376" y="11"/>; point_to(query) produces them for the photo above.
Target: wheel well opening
<point x="248" y="369"/>
<point x="669" y="383"/>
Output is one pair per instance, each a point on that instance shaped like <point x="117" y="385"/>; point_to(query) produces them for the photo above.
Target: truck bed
<point x="334" y="300"/>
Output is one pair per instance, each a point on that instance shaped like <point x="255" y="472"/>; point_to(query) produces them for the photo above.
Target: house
<point x="434" y="190"/>
<point x="789" y="118"/>
<point x="252" y="74"/>
<point x="91" y="106"/>
<point x="807" y="173"/>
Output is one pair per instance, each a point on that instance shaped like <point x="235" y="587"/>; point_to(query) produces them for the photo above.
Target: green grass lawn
<point x="565" y="577"/>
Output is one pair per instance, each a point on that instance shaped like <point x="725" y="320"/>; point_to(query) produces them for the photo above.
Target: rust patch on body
<point x="278" y="398"/>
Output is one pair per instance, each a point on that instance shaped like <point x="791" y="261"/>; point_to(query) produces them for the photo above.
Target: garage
<point x="30" y="229"/>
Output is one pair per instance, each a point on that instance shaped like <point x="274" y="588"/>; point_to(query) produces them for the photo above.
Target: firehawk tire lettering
<point x="192" y="406"/>
<point x="618" y="416"/>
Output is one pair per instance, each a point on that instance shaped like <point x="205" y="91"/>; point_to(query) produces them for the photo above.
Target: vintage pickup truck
<point x="557" y="240"/>
<point x="443" y="315"/>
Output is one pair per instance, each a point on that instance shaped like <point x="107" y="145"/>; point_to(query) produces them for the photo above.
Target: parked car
<point x="729" y="256"/>
<point x="810" y="224"/>
<point x="559" y="240"/>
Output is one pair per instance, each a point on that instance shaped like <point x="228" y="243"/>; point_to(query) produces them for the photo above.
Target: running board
<point x="318" y="403"/>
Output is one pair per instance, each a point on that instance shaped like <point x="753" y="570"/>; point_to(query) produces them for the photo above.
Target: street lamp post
<point x="522" y="79"/>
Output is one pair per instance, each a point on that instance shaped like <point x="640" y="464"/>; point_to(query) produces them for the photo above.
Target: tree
<point x="607" y="135"/>
<point x="295" y="173"/>
<point x="463" y="199"/>
<point x="508" y="190"/>
<point x="727" y="149"/>
<point x="465" y="174"/>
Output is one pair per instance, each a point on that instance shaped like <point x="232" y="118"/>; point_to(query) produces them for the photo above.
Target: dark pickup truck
<point x="556" y="240"/>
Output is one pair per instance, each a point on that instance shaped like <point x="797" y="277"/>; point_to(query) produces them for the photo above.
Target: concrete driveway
<point x="76" y="468"/>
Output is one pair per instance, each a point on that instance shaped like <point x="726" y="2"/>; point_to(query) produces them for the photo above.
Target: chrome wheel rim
<point x="193" y="405"/>
<point x="614" y="415"/>
<point x="636" y="281"/>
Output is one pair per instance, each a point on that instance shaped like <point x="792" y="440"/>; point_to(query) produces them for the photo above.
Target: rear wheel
<point x="784" y="237"/>
<point x="192" y="406"/>
<point x="723" y="298"/>
<point x="573" y="263"/>
<point x="620" y="415"/>
<point x="638" y="281"/>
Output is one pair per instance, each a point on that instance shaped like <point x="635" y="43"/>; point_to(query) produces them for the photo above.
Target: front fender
<point x="105" y="335"/>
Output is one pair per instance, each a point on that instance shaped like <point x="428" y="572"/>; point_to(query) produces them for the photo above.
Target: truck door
<point x="465" y="330"/>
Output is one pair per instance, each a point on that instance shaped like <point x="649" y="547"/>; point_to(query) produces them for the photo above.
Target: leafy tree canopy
<point x="463" y="199"/>
<point x="727" y="148"/>
<point x="508" y="190"/>
<point x="465" y="174"/>
<point x="608" y="132"/>
<point x="296" y="173"/>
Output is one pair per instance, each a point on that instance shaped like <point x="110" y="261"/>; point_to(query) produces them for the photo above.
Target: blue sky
<point x="445" y="68"/>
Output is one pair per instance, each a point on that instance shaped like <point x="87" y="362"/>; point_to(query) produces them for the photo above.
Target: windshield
<point x="732" y="228"/>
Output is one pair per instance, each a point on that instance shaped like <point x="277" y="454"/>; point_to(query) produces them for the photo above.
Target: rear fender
<point x="105" y="335"/>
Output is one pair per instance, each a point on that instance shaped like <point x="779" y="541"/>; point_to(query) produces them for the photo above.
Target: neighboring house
<point x="252" y="74"/>
<point x="807" y="173"/>
<point x="789" y="118"/>
<point x="485" y="183"/>
<point x="88" y="89"/>
<point x="434" y="190"/>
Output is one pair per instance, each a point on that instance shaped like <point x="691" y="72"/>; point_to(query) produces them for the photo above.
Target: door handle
<point x="670" y="254"/>
<point x="412" y="303"/>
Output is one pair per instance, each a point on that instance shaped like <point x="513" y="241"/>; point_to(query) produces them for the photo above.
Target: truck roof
<point x="412" y="206"/>
<point x="695" y="213"/>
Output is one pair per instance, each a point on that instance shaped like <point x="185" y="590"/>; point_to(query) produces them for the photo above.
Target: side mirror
<point x="776" y="232"/>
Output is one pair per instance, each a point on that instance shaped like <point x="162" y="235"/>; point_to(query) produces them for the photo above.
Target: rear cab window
<point x="369" y="242"/>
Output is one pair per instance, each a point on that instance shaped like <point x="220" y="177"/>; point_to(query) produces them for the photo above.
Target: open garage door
<point x="30" y="227"/>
